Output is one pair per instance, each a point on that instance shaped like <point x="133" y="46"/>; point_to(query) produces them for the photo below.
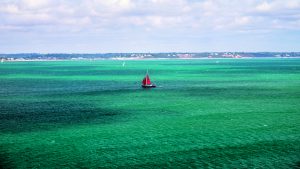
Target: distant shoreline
<point x="138" y="59"/>
<point x="144" y="56"/>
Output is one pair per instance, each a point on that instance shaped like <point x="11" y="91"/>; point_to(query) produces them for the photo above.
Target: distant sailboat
<point x="146" y="83"/>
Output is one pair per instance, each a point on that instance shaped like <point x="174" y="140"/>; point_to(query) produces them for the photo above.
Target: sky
<point x="102" y="26"/>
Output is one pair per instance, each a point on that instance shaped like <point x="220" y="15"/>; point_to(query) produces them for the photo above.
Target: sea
<point x="206" y="113"/>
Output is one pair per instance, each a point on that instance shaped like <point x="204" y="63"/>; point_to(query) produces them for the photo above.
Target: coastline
<point x="139" y="59"/>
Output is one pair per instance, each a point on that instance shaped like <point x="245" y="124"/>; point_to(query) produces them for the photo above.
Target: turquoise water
<point x="220" y="113"/>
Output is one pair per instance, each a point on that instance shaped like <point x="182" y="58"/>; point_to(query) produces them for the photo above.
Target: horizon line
<point x="147" y="52"/>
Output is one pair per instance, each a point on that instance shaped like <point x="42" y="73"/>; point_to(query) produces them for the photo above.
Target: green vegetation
<point x="226" y="113"/>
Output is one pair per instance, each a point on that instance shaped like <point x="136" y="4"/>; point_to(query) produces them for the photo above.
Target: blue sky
<point x="100" y="26"/>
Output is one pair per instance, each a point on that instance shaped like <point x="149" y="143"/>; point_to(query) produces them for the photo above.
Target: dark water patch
<point x="220" y="89"/>
<point x="30" y="116"/>
<point x="109" y="92"/>
<point x="33" y="87"/>
<point x="239" y="92"/>
<point x="296" y="165"/>
<point x="5" y="162"/>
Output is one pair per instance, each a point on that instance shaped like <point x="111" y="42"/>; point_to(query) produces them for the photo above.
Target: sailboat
<point x="146" y="83"/>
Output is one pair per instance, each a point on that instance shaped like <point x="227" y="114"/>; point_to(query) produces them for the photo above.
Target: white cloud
<point x="35" y="4"/>
<point x="244" y="20"/>
<point x="293" y="4"/>
<point x="206" y="15"/>
<point x="264" y="7"/>
<point x="9" y="9"/>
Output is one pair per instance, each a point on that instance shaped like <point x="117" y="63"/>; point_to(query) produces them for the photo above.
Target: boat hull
<point x="149" y="86"/>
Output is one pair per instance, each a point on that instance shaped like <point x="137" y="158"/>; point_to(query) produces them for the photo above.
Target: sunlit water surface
<point x="219" y="113"/>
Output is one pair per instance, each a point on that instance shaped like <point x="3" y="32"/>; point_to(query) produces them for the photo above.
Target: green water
<point x="222" y="113"/>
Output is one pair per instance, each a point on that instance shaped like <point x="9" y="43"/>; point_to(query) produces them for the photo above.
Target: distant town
<point x="139" y="56"/>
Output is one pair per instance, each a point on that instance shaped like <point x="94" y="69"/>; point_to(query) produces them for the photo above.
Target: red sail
<point x="146" y="80"/>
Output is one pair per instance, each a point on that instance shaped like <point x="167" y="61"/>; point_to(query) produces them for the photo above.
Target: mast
<point x="146" y="77"/>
